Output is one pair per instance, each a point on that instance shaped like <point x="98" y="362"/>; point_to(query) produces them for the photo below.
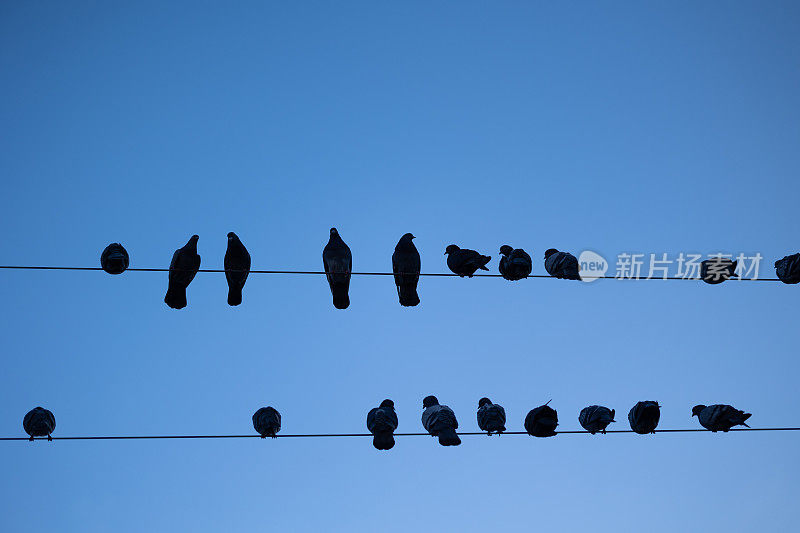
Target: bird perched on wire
<point x="440" y="421"/>
<point x="338" y="263"/>
<point x="465" y="262"/>
<point x="515" y="264"/>
<point x="406" y="265"/>
<point x="491" y="416"/>
<point x="182" y="269"/>
<point x="237" y="267"/>
<point x="114" y="258"/>
<point x="542" y="421"/>
<point x="596" y="418"/>
<point x="720" y="417"/>
<point x="267" y="422"/>
<point x="39" y="422"/>
<point x="381" y="422"/>
<point x="643" y="417"/>
<point x="788" y="269"/>
<point x="717" y="269"/>
<point x="562" y="265"/>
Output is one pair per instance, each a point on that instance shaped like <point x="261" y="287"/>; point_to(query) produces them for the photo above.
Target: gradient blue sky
<point x="612" y="128"/>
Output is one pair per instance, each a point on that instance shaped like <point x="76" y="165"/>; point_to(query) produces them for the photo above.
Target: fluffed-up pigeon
<point x="717" y="269"/>
<point x="491" y="416"/>
<point x="39" y="422"/>
<point x="596" y="418"/>
<point x="381" y="422"/>
<point x="267" y="422"/>
<point x="562" y="265"/>
<point x="643" y="417"/>
<point x="720" y="417"/>
<point x="338" y="263"/>
<point x="237" y="267"/>
<point x="406" y="266"/>
<point x="114" y="258"/>
<point x="440" y="421"/>
<point x="788" y="269"/>
<point x="541" y="421"/>
<point x="465" y="262"/>
<point x="182" y="269"/>
<point x="515" y="264"/>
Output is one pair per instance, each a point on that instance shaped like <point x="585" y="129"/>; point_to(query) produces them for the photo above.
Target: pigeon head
<point x="697" y="409"/>
<point x="334" y="232"/>
<point x="388" y="404"/>
<point x="429" y="401"/>
<point x="506" y="249"/>
<point x="450" y="249"/>
<point x="232" y="236"/>
<point x="550" y="252"/>
<point x="484" y="401"/>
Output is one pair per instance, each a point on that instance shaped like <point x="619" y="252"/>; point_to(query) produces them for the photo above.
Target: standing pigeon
<point x="440" y="420"/>
<point x="114" y="258"/>
<point x="381" y="422"/>
<point x="406" y="265"/>
<point x="717" y="269"/>
<point x="720" y="417"/>
<point x="338" y="263"/>
<point x="237" y="267"/>
<point x="491" y="416"/>
<point x="39" y="422"/>
<point x="644" y="417"/>
<point x="465" y="262"/>
<point x="267" y="422"/>
<point x="561" y="265"/>
<point x="515" y="263"/>
<point x="596" y="418"/>
<point x="788" y="269"/>
<point x="182" y="269"/>
<point x="541" y="421"/>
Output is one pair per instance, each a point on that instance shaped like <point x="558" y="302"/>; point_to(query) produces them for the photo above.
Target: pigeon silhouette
<point x="491" y="416"/>
<point x="381" y="422"/>
<point x="182" y="269"/>
<point x="440" y="421"/>
<point x="596" y="418"/>
<point x="338" y="263"/>
<point x="237" y="267"/>
<point x="515" y="264"/>
<point x="406" y="265"/>
<point x="643" y="417"/>
<point x="267" y="422"/>
<point x="39" y="422"/>
<point x="465" y="262"/>
<point x="788" y="269"/>
<point x="541" y="421"/>
<point x="561" y="265"/>
<point x="717" y="269"/>
<point x="720" y="417"/>
<point x="114" y="258"/>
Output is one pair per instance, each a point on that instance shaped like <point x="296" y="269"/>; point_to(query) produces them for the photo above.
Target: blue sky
<point x="623" y="128"/>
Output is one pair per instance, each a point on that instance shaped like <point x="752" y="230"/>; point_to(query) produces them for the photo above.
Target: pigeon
<point x="338" y="263"/>
<point x="541" y="421"/>
<point x="39" y="422"/>
<point x="717" y="269"/>
<point x="406" y="266"/>
<point x="720" y="417"/>
<point x="440" y="421"/>
<point x="465" y="262"/>
<point x="114" y="258"/>
<point x="267" y="422"/>
<point x="596" y="418"/>
<point x="644" y="417"/>
<point x="491" y="416"/>
<point x="788" y="269"/>
<point x="515" y="263"/>
<point x="561" y="265"/>
<point x="381" y="422"/>
<point x="237" y="267"/>
<point x="182" y="269"/>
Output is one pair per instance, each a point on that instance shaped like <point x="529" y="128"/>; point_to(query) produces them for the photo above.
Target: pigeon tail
<point x="449" y="437"/>
<point x="176" y="297"/>
<point x="745" y="416"/>
<point x="341" y="300"/>
<point x="234" y="295"/>
<point x="408" y="296"/>
<point x="383" y="441"/>
<point x="484" y="259"/>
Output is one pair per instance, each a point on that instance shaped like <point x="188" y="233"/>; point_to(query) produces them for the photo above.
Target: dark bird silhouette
<point x="267" y="422"/>
<point x="114" y="258"/>
<point x="39" y="422"/>
<point x="717" y="269"/>
<point x="381" y="422"/>
<point x="338" y="263"/>
<point x="465" y="262"/>
<point x="237" y="267"/>
<point x="541" y="421"/>
<point x="182" y="269"/>
<point x="440" y="421"/>
<point x="562" y="265"/>
<point x="788" y="269"/>
<point x="491" y="416"/>
<point x="406" y="266"/>
<point x="643" y="417"/>
<point x="596" y="418"/>
<point x="515" y="264"/>
<point x="720" y="417"/>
